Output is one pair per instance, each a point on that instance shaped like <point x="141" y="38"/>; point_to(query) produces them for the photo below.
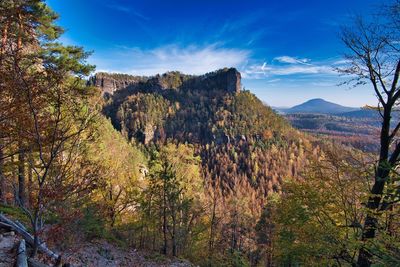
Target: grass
<point x="15" y="213"/>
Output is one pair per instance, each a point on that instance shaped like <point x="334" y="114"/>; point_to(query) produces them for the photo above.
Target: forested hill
<point x="243" y="144"/>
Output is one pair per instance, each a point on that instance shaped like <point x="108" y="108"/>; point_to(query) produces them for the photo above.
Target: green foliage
<point x="238" y="260"/>
<point x="318" y="218"/>
<point x="141" y="114"/>
<point x="119" y="167"/>
<point x="171" y="202"/>
<point x="172" y="79"/>
<point x="250" y="117"/>
<point x="14" y="212"/>
<point x="92" y="223"/>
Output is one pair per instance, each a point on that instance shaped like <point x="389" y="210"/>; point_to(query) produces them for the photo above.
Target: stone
<point x="12" y="233"/>
<point x="109" y="82"/>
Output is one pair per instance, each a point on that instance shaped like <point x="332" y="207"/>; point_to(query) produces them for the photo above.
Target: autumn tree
<point x="121" y="172"/>
<point x="49" y="107"/>
<point x="318" y="218"/>
<point x="374" y="59"/>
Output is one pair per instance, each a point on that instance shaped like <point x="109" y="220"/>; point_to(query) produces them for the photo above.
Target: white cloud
<point x="274" y="80"/>
<point x="292" y="66"/>
<point x="309" y="69"/>
<point x="264" y="66"/>
<point x="341" y="62"/>
<point x="197" y="60"/>
<point x="190" y="59"/>
<point x="292" y="60"/>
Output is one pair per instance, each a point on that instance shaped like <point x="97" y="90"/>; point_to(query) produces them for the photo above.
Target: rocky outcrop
<point x="225" y="79"/>
<point x="109" y="83"/>
<point x="148" y="133"/>
<point x="233" y="80"/>
<point x="228" y="79"/>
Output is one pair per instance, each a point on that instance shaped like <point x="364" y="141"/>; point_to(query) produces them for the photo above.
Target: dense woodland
<point x="196" y="172"/>
<point x="360" y="131"/>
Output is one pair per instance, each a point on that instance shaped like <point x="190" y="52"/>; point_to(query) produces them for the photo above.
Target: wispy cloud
<point x="274" y="80"/>
<point x="289" y="66"/>
<point x="189" y="59"/>
<point x="128" y="10"/>
<point x="292" y="60"/>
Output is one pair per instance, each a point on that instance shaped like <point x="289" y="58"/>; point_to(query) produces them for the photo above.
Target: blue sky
<point x="285" y="50"/>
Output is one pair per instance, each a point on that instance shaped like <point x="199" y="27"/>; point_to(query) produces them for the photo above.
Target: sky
<point x="286" y="50"/>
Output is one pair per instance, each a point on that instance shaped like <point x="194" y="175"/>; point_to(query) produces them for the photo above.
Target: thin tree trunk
<point x="36" y="241"/>
<point x="212" y="224"/>
<point x="2" y="178"/>
<point x="165" y="247"/>
<point x="35" y="244"/>
<point x="4" y="37"/>
<point x="30" y="179"/>
<point x="21" y="177"/>
<point x="174" y="245"/>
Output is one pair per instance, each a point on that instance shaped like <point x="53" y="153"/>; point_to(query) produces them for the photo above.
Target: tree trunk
<point x="4" y="37"/>
<point x="22" y="260"/>
<point x="21" y="177"/>
<point x="2" y="178"/>
<point x="29" y="238"/>
<point x="165" y="247"/>
<point x="174" y="245"/>
<point x="30" y="179"/>
<point x="212" y="224"/>
<point x="36" y="242"/>
<point x="374" y="201"/>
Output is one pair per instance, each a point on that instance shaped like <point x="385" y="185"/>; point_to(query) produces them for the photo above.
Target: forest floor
<point x="92" y="254"/>
<point x="102" y="253"/>
<point x="95" y="253"/>
<point x="7" y="249"/>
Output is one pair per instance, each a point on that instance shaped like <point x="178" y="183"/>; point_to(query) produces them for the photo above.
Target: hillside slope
<point x="240" y="141"/>
<point x="246" y="150"/>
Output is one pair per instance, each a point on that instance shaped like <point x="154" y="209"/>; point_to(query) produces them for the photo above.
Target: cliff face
<point x="154" y="97"/>
<point x="228" y="80"/>
<point x="109" y="83"/>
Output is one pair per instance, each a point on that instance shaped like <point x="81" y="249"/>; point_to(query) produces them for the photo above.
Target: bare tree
<point x="374" y="59"/>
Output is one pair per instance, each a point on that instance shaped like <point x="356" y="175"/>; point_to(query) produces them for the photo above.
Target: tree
<point x="318" y="217"/>
<point x="50" y="110"/>
<point x="374" y="58"/>
<point x="265" y="233"/>
<point x="119" y="177"/>
<point x="171" y="202"/>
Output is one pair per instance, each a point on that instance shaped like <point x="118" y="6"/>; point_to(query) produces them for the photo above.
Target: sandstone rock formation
<point x="227" y="79"/>
<point x="110" y="82"/>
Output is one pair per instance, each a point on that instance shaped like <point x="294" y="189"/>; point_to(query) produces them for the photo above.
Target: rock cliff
<point x="227" y="79"/>
<point x="111" y="82"/>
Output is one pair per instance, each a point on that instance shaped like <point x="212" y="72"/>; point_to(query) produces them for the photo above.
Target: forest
<point x="185" y="167"/>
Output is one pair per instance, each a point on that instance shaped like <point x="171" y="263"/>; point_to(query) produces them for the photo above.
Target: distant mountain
<point x="321" y="106"/>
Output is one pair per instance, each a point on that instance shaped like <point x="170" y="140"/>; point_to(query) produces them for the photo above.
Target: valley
<point x="355" y="127"/>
